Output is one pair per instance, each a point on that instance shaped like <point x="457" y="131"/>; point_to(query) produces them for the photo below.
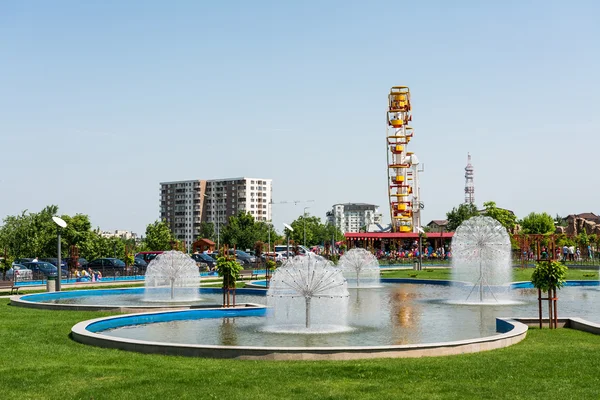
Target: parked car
<point x="54" y="261"/>
<point x="285" y="254"/>
<point x="245" y="258"/>
<point x="277" y="257"/>
<point x="107" y="264"/>
<point x="148" y="255"/>
<point x="206" y="259"/>
<point x="20" y="261"/>
<point x="79" y="263"/>
<point x="45" y="268"/>
<point x="301" y="249"/>
<point x="139" y="265"/>
<point x="19" y="272"/>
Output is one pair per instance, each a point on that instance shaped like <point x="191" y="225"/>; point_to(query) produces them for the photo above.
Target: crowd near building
<point x="184" y="205"/>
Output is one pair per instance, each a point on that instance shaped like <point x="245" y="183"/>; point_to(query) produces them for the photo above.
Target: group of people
<point x="88" y="275"/>
<point x="429" y="252"/>
<point x="570" y="253"/>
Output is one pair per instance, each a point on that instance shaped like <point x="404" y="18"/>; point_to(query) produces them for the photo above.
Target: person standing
<point x="565" y="252"/>
<point x="572" y="253"/>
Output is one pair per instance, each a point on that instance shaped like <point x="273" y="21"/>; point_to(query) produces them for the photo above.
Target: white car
<point x="18" y="272"/>
<point x="277" y="257"/>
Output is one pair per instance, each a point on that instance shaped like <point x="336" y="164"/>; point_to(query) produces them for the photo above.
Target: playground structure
<point x="403" y="188"/>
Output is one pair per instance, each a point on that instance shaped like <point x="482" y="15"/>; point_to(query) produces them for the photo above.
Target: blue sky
<point x="101" y="101"/>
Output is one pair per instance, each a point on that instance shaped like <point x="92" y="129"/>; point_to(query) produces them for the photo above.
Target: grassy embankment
<point x="518" y="274"/>
<point x="40" y="361"/>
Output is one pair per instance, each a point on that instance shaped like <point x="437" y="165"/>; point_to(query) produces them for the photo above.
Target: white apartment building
<point x="351" y="217"/>
<point x="186" y="204"/>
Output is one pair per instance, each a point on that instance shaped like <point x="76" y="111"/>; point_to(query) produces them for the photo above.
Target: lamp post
<point x="212" y="203"/>
<point x="421" y="232"/>
<point x="60" y="223"/>
<point x="289" y="230"/>
<point x="304" y="220"/>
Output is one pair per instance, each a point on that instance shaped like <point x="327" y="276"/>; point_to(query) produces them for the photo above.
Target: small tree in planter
<point x="547" y="277"/>
<point x="229" y="270"/>
<point x="270" y="266"/>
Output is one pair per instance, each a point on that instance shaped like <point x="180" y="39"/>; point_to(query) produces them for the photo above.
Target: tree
<point x="316" y="231"/>
<point x="560" y="221"/>
<point x="547" y="277"/>
<point x="30" y="234"/>
<point x="229" y="269"/>
<point x="535" y="223"/>
<point x="77" y="228"/>
<point x="158" y="236"/>
<point x="505" y="217"/>
<point x="460" y="214"/>
<point x="206" y="231"/>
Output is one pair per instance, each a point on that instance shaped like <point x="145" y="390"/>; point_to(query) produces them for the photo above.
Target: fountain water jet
<point x="172" y="276"/>
<point x="313" y="283"/>
<point x="481" y="255"/>
<point x="362" y="265"/>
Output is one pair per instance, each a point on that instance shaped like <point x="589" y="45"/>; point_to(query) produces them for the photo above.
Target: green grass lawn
<point x="40" y="361"/>
<point x="518" y="274"/>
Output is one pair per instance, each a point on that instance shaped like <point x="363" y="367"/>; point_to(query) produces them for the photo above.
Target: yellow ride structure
<point x="402" y="188"/>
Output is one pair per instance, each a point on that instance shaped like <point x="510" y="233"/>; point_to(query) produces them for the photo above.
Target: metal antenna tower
<point x="469" y="185"/>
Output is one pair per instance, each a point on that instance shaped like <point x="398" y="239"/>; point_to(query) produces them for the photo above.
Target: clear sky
<point x="102" y="100"/>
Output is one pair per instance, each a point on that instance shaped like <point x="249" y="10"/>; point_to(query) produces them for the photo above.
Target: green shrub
<point x="549" y="275"/>
<point x="229" y="270"/>
<point x="270" y="265"/>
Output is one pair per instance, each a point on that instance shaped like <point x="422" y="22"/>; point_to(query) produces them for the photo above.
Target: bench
<point x="14" y="289"/>
<point x="246" y="273"/>
<point x="249" y="273"/>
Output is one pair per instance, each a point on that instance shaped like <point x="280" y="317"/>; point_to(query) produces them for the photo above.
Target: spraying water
<point x="172" y="276"/>
<point x="308" y="294"/>
<point x="360" y="268"/>
<point x="481" y="253"/>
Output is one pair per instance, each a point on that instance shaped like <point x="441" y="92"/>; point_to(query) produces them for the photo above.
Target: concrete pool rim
<point x="90" y="332"/>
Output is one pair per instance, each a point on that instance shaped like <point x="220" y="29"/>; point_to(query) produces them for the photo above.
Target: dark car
<point x="139" y="265"/>
<point x="243" y="257"/>
<point x="107" y="264"/>
<point x="45" y="268"/>
<point x="76" y="263"/>
<point x="54" y="261"/>
<point x="206" y="259"/>
<point x="22" y="260"/>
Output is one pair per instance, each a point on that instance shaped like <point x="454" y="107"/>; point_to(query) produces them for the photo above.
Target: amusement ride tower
<point x="402" y="165"/>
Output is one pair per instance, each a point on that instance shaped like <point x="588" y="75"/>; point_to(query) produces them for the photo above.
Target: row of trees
<point x="533" y="223"/>
<point x="538" y="223"/>
<point x="243" y="231"/>
<point x="33" y="234"/>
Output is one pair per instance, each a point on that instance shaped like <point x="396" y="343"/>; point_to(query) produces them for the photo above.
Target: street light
<point x="304" y="220"/>
<point x="421" y="232"/>
<point x="212" y="203"/>
<point x="60" y="223"/>
<point x="290" y="229"/>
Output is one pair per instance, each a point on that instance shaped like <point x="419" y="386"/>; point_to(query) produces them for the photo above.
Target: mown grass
<point x="39" y="361"/>
<point x="518" y="274"/>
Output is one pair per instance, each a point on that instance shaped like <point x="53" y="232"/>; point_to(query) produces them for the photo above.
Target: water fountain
<point x="307" y="294"/>
<point x="172" y="276"/>
<point x="360" y="268"/>
<point x="481" y="256"/>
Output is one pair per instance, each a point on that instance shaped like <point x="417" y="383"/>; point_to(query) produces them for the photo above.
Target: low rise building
<point x="438" y="225"/>
<point x="120" y="234"/>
